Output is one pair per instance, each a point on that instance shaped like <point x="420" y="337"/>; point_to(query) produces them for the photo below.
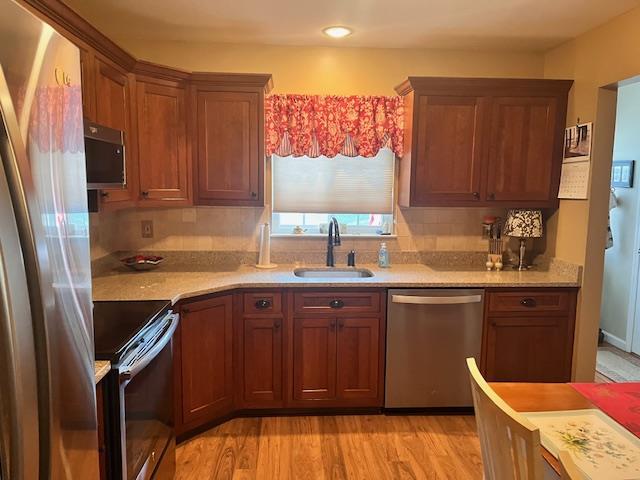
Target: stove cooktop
<point x="117" y="324"/>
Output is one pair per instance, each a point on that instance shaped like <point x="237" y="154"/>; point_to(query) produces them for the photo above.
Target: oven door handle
<point x="153" y="352"/>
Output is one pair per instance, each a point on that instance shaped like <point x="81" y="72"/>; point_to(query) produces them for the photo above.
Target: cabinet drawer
<point x="553" y="301"/>
<point x="262" y="303"/>
<point x="337" y="302"/>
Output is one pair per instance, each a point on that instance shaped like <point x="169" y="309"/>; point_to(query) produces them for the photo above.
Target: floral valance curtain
<point x="315" y="125"/>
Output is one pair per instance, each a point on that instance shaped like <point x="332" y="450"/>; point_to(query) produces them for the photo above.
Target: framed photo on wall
<point x="622" y="173"/>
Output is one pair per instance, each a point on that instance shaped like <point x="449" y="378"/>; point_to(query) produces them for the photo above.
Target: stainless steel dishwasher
<point x="430" y="332"/>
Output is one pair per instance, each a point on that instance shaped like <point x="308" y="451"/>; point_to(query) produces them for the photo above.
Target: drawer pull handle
<point x="262" y="304"/>
<point x="276" y="325"/>
<point x="528" y="302"/>
<point x="336" y="303"/>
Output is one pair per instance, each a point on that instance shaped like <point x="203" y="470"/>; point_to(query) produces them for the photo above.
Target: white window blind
<point x="338" y="185"/>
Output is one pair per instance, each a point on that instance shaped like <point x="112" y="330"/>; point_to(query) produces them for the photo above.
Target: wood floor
<point x="367" y="447"/>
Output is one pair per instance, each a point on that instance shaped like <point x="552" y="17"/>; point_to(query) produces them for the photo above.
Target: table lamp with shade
<point x="523" y="224"/>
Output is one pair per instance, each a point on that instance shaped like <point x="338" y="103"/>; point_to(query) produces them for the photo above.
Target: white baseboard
<point x="615" y="341"/>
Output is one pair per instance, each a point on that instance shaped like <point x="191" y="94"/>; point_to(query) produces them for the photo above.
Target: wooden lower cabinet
<point x="358" y="355"/>
<point x="271" y="349"/>
<point x="314" y="358"/>
<point x="262" y="363"/>
<point x="528" y="335"/>
<point x="204" y="362"/>
<point x="337" y="360"/>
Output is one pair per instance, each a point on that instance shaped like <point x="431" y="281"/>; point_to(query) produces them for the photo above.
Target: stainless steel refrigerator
<point x="47" y="392"/>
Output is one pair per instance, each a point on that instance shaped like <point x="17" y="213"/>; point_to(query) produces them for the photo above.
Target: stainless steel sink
<point x="333" y="273"/>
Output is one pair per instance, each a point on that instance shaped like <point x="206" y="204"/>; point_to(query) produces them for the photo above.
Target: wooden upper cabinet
<point x="206" y="360"/>
<point x="449" y="146"/>
<point x="229" y="157"/>
<point x="229" y="143"/>
<point x="163" y="162"/>
<point x="113" y="110"/>
<point x="482" y="141"/>
<point x="524" y="133"/>
<point x="87" y="66"/>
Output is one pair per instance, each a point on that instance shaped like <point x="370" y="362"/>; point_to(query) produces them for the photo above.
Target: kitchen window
<point x="358" y="191"/>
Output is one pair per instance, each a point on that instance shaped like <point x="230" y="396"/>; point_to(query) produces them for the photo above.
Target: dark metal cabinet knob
<point x="332" y="325"/>
<point x="104" y="194"/>
<point x="492" y="196"/>
<point x="254" y="194"/>
<point x="528" y="302"/>
<point x="476" y="195"/>
<point x="262" y="304"/>
<point x="145" y="194"/>
<point x="276" y="326"/>
<point x="336" y="303"/>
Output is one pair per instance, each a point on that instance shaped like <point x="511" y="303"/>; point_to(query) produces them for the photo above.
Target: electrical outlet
<point x="147" y="228"/>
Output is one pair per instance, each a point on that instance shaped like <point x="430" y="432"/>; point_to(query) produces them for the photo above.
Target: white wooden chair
<point x="510" y="444"/>
<point x="568" y="469"/>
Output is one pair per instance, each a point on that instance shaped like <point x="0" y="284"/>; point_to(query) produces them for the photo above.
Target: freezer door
<point x="18" y="388"/>
<point x="43" y="161"/>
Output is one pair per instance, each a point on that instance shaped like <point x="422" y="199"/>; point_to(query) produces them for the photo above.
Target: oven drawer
<point x="262" y="303"/>
<point x="519" y="301"/>
<point x="337" y="302"/>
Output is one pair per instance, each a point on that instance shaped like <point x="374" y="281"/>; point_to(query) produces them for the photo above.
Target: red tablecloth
<point x="621" y="401"/>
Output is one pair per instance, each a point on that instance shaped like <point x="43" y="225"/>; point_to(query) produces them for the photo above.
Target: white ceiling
<point x="519" y="25"/>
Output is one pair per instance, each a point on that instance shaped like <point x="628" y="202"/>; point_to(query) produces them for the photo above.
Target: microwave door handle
<point x="453" y="300"/>
<point x="153" y="352"/>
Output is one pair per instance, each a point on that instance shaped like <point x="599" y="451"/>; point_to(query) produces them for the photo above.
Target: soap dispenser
<point x="383" y="256"/>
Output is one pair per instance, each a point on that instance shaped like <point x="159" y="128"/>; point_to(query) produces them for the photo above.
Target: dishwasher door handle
<point x="453" y="300"/>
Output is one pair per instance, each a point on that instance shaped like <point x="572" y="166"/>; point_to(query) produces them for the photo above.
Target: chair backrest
<point x="510" y="444"/>
<point x="568" y="469"/>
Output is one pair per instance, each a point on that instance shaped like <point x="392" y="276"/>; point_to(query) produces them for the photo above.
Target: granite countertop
<point x="101" y="368"/>
<point x="176" y="285"/>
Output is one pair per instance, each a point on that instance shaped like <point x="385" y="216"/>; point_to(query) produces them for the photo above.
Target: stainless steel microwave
<point x="105" y="157"/>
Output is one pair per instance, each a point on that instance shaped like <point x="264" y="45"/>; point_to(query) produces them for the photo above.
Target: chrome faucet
<point x="333" y="240"/>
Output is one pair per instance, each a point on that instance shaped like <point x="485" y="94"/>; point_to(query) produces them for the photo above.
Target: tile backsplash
<point x="237" y="229"/>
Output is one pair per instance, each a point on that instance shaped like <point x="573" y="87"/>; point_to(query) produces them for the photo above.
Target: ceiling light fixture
<point x="337" y="31"/>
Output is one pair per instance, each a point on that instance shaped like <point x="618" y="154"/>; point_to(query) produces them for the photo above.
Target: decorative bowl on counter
<point x="142" y="262"/>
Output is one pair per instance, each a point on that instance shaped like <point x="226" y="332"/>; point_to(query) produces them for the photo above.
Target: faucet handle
<point x="351" y="259"/>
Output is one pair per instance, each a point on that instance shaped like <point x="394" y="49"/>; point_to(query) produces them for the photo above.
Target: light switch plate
<point x="147" y="228"/>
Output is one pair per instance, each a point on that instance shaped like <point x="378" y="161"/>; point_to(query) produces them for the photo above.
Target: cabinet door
<point x="206" y="345"/>
<point x="314" y="358"/>
<point x="449" y="150"/>
<point x="162" y="144"/>
<point x="230" y="161"/>
<point x="521" y="164"/>
<point x="358" y="358"/>
<point x="262" y="361"/>
<point x="113" y="110"/>
<point x="528" y="349"/>
<point x="87" y="69"/>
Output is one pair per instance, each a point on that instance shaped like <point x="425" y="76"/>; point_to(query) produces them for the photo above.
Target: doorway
<point x="619" y="355"/>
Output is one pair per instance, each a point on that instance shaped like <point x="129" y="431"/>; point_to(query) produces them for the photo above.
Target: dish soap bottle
<point x="383" y="256"/>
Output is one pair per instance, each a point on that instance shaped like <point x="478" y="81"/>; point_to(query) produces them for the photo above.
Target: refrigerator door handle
<point x="452" y="300"/>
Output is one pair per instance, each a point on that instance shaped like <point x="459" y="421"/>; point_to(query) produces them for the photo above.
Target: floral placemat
<point x="600" y="447"/>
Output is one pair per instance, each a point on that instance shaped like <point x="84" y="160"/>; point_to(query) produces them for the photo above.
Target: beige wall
<point x="340" y="71"/>
<point x="602" y="56"/>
